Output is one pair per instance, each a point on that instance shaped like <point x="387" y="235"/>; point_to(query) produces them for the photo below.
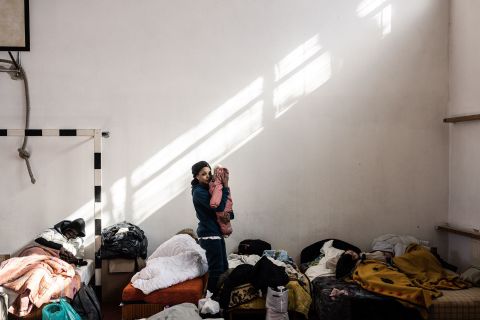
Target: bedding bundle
<point x="176" y="260"/>
<point x="37" y="276"/>
<point x="415" y="279"/>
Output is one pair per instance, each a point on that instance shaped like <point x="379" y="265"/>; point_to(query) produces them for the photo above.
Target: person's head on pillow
<point x="346" y="263"/>
<point x="73" y="229"/>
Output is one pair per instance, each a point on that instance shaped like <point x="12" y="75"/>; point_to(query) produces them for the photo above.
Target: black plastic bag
<point x="123" y="240"/>
<point x="86" y="304"/>
<point x="251" y="246"/>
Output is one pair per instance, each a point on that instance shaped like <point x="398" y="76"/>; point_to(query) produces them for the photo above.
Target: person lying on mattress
<point x="414" y="278"/>
<point x="66" y="236"/>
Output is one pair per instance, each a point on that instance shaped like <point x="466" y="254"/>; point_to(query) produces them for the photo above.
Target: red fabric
<point x="187" y="291"/>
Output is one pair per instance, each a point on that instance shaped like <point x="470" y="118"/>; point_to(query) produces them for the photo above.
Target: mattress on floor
<point x="359" y="304"/>
<point x="140" y="311"/>
<point x="86" y="272"/>
<point x="457" y="305"/>
<point x="187" y="291"/>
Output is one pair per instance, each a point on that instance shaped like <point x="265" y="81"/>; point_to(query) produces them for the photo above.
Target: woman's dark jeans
<point x="217" y="260"/>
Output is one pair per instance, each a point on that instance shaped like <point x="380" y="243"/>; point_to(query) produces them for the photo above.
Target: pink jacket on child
<point x="215" y="189"/>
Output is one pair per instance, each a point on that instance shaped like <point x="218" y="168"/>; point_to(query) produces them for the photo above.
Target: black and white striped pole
<point x="97" y="135"/>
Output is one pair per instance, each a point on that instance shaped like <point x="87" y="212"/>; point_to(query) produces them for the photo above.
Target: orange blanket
<point x="37" y="275"/>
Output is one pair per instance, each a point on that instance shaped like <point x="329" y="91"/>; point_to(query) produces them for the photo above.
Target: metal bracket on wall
<point x="15" y="67"/>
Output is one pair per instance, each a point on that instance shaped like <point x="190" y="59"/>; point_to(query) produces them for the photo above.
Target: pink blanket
<point x="37" y="275"/>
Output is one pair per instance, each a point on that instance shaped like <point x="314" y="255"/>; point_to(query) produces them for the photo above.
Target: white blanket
<point x="178" y="259"/>
<point x="395" y="243"/>
<point x="234" y="260"/>
<point x="324" y="268"/>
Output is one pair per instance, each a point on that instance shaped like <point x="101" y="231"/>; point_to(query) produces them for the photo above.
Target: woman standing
<point x="208" y="231"/>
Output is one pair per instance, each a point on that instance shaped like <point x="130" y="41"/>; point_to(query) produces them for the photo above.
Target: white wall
<point x="327" y="113"/>
<point x="464" y="148"/>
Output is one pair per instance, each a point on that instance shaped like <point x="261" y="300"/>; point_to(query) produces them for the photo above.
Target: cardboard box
<point x="116" y="274"/>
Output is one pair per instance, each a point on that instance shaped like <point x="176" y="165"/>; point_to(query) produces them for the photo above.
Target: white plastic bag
<point x="277" y="303"/>
<point x="208" y="305"/>
<point x="272" y="315"/>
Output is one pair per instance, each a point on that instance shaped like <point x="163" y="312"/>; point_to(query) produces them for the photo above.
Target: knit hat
<point x="77" y="225"/>
<point x="199" y="166"/>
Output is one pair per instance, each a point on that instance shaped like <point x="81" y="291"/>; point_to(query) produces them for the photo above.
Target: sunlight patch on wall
<point x="368" y="6"/>
<point x="384" y="20"/>
<point x="297" y="57"/>
<point x="118" y="194"/>
<point x="302" y="83"/>
<point x="382" y="14"/>
<point x="176" y="178"/>
<point x="235" y="131"/>
<point x="192" y="136"/>
<point x="249" y="122"/>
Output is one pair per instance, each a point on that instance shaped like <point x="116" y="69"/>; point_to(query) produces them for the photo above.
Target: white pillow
<point x="331" y="254"/>
<point x="472" y="275"/>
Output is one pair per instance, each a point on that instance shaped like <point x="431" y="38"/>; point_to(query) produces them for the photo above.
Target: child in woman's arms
<point x="216" y="186"/>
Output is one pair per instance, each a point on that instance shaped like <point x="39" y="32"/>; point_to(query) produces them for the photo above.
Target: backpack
<point x="86" y="304"/>
<point x="251" y="246"/>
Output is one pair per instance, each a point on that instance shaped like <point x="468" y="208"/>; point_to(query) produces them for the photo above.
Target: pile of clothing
<point x="123" y="240"/>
